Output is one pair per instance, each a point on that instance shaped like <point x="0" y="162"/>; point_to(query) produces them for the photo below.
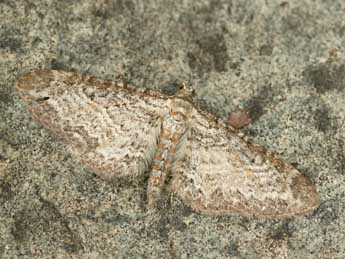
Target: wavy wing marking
<point x="113" y="129"/>
<point x="222" y="174"/>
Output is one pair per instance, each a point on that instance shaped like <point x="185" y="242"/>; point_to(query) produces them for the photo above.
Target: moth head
<point x="181" y="103"/>
<point x="185" y="92"/>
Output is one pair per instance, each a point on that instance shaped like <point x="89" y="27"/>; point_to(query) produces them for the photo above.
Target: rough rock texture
<point x="282" y="61"/>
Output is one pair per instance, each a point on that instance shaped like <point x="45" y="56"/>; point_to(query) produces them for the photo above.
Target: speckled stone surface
<point x="282" y="61"/>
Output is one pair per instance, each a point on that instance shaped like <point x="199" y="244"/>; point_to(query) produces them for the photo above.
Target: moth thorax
<point x="181" y="109"/>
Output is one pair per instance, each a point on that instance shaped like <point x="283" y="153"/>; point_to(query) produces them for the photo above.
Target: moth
<point x="117" y="130"/>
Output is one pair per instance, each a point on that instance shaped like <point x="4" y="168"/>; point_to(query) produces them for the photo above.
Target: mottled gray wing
<point x="222" y="173"/>
<point x="111" y="128"/>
